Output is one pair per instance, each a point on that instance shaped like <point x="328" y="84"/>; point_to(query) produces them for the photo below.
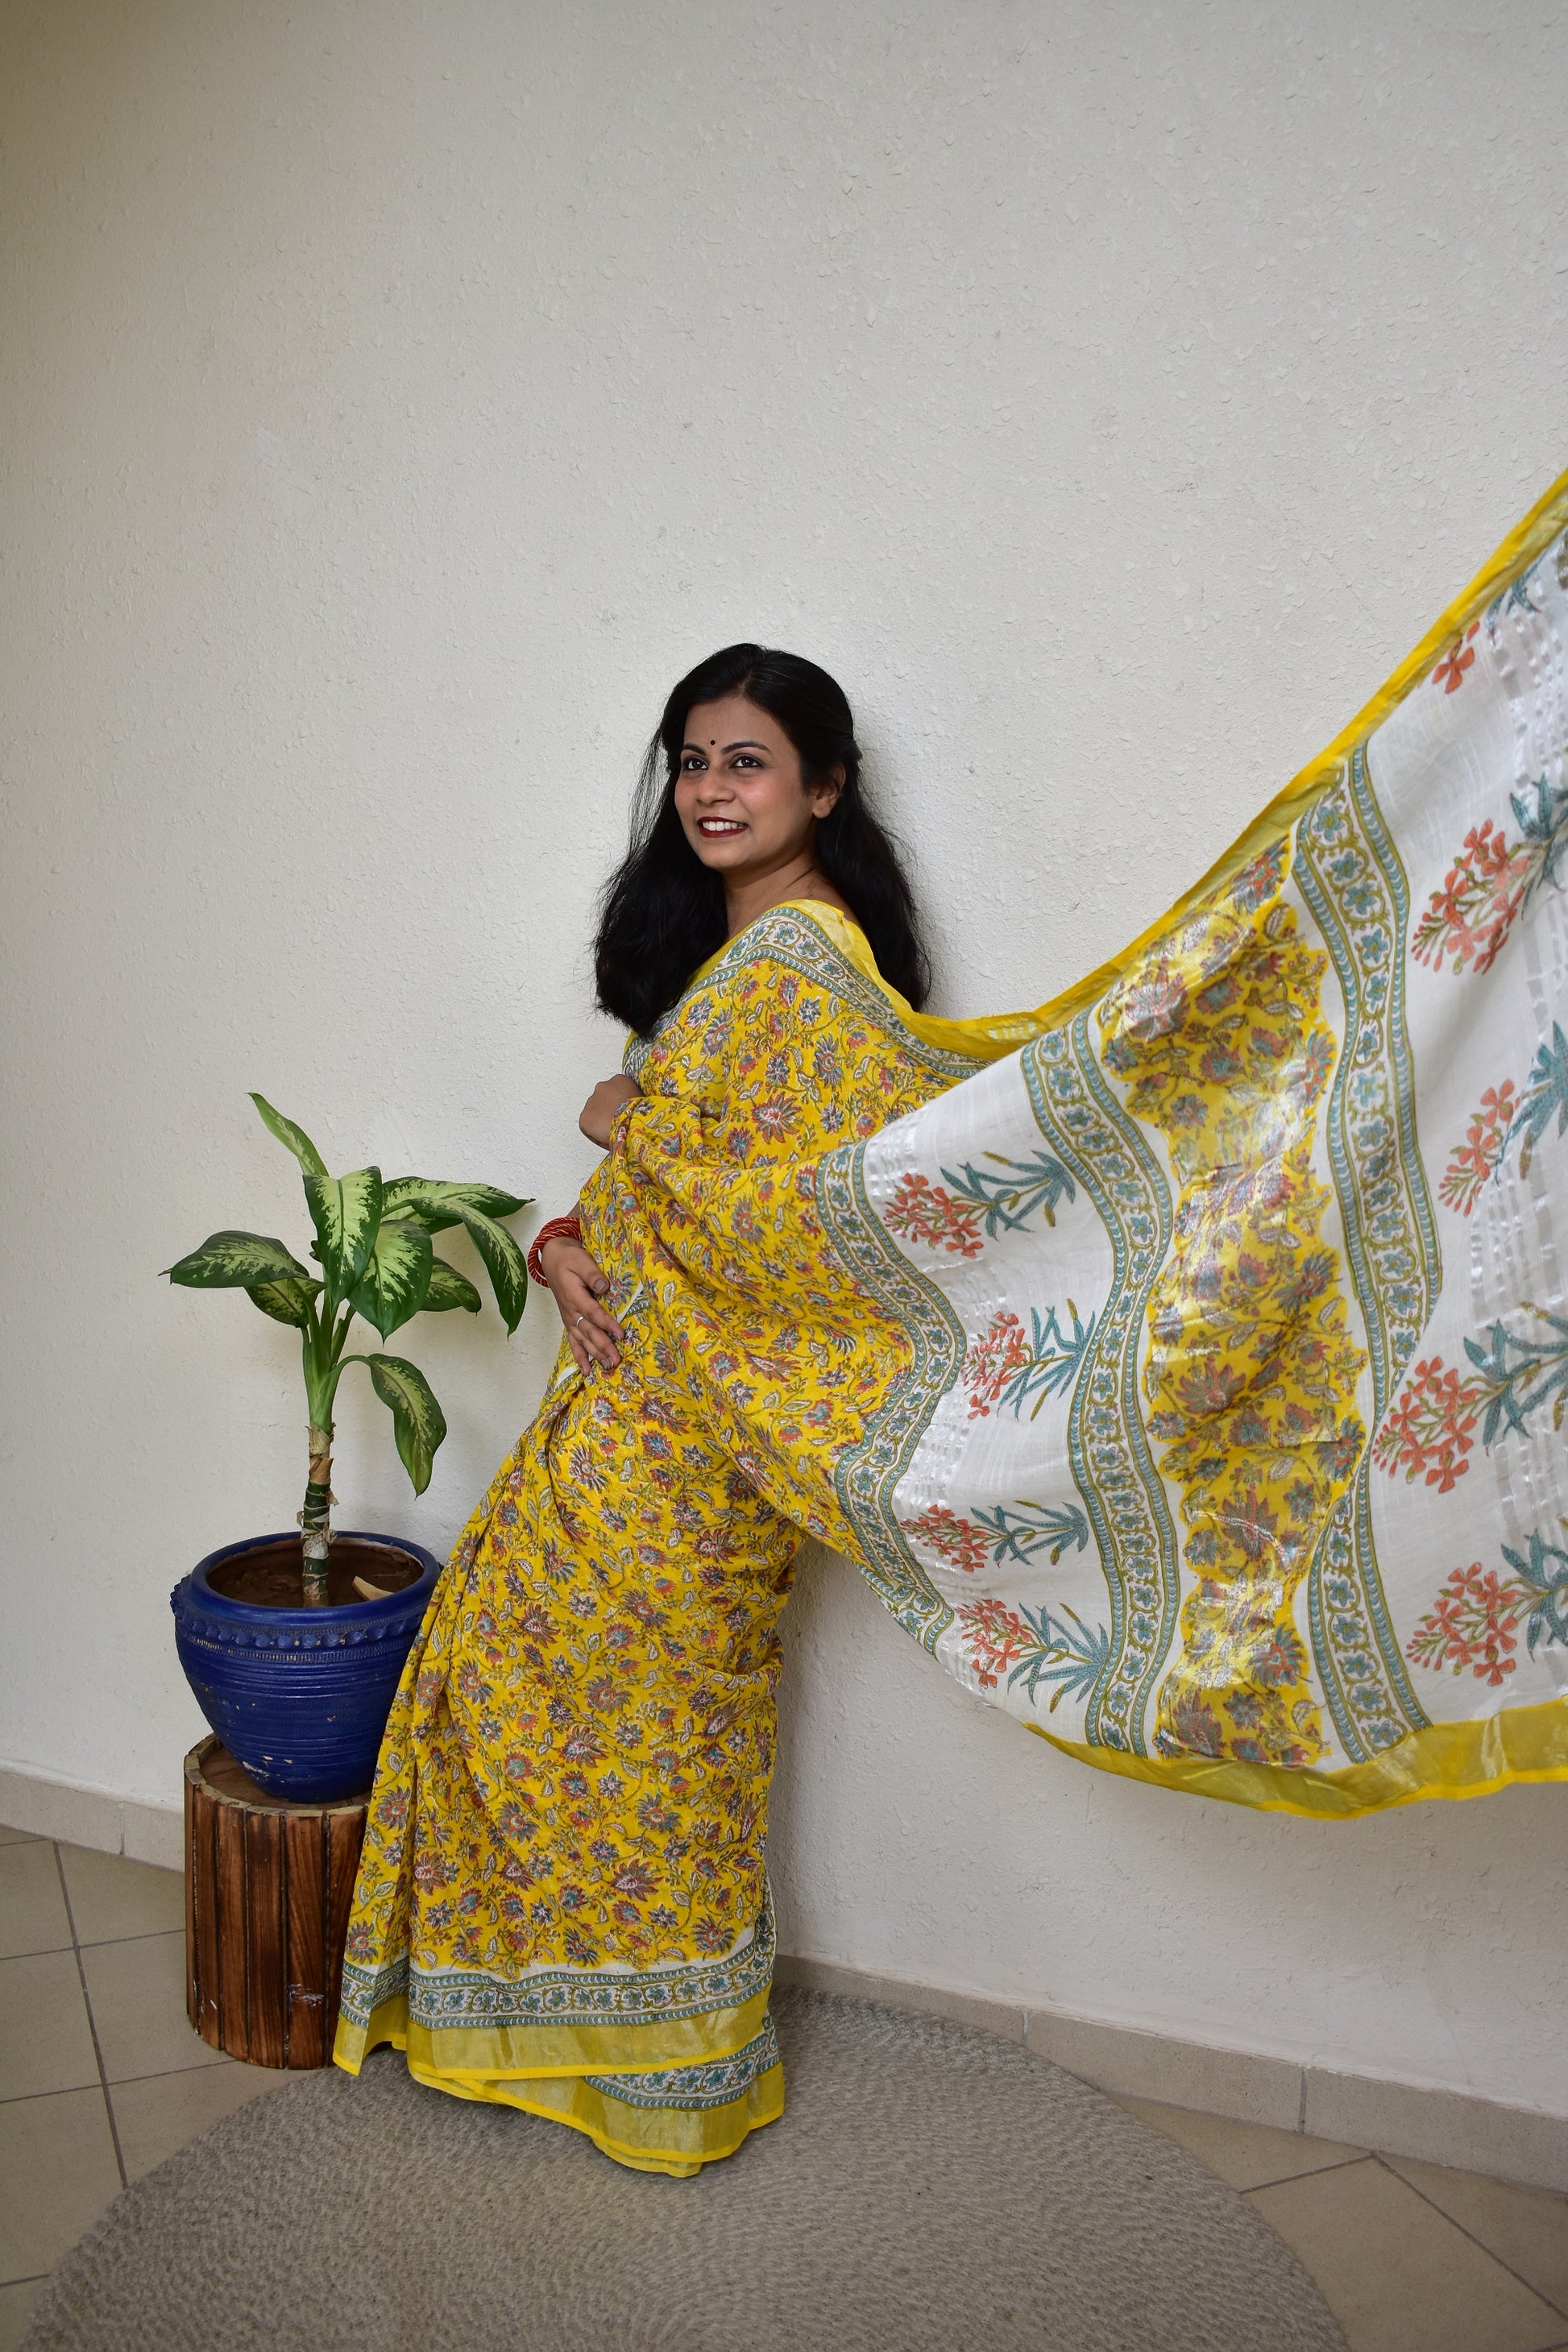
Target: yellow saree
<point x="1181" y="1364"/>
<point x="562" y="1903"/>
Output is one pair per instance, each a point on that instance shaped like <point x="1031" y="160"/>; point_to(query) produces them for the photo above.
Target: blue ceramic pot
<point x="300" y="1695"/>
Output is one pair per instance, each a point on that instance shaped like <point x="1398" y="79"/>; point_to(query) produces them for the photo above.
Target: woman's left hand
<point x="608" y="1096"/>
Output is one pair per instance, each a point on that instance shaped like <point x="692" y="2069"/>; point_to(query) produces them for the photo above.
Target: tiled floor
<point x="102" y="2077"/>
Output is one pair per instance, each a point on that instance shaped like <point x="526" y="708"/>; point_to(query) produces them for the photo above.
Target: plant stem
<point x="323" y="1344"/>
<point x="315" y="1519"/>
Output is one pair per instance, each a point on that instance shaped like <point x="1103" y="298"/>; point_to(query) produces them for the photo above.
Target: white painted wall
<point x="396" y="398"/>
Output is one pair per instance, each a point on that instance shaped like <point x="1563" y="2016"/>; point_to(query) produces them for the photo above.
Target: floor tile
<point x="157" y="2118"/>
<point x="1248" y="2155"/>
<point x="1525" y="2228"/>
<point x="17" y="2303"/>
<point x="1396" y="2275"/>
<point x="14" y="1837"/>
<point x="57" y="2172"/>
<point x="45" y="2042"/>
<point x="111" y="1897"/>
<point x="33" y="1914"/>
<point x="138" y="1993"/>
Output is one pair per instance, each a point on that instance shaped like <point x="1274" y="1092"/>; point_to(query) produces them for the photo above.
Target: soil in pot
<point x="272" y="1577"/>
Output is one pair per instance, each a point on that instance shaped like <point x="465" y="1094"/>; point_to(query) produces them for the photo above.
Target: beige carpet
<point x="926" y="2189"/>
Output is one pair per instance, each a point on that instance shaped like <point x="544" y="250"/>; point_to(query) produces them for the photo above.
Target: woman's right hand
<point x="577" y="1284"/>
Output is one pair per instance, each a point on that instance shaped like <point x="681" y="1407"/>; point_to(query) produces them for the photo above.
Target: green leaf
<point x="438" y="1206"/>
<point x="448" y="1288"/>
<point x="288" y="1301"/>
<point x="298" y="1141"/>
<point x="345" y="1211"/>
<point x="393" y="1283"/>
<point x="417" y="1420"/>
<point x="476" y="1207"/>
<point x="504" y="1263"/>
<point x="230" y="1261"/>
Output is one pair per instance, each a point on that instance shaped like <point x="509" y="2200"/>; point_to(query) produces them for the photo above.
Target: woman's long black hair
<point x="663" y="910"/>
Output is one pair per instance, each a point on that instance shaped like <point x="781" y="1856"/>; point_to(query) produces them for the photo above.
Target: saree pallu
<point x="1183" y="1366"/>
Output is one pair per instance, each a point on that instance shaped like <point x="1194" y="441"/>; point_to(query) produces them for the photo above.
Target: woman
<point x="562" y="1903"/>
<point x="1125" y="1366"/>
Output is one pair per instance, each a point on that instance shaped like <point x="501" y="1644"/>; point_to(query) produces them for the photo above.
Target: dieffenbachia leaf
<point x="438" y="1206"/>
<point x="419" y="1424"/>
<point x="504" y="1263"/>
<point x="345" y="1211"/>
<point x="476" y="1207"/>
<point x="288" y="1301"/>
<point x="394" y="1282"/>
<point x="230" y="1261"/>
<point x="298" y="1141"/>
<point x="448" y="1288"/>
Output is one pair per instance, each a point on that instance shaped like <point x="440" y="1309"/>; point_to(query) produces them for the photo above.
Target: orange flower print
<point x="995" y="1638"/>
<point x="924" y="1212"/>
<point x="1449" y="673"/>
<point x="1431" y="1428"/>
<point x="1473" y="1622"/>
<point x="1485" y="1140"/>
<point x="1471" y="915"/>
<point x="991" y="1361"/>
<point x="959" y="1542"/>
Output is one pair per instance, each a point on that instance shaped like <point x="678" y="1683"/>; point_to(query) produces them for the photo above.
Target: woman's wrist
<point x="558" y="1229"/>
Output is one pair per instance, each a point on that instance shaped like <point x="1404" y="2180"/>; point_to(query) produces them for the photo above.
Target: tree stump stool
<point x="267" y="1889"/>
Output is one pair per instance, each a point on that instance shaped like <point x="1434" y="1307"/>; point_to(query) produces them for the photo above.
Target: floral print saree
<point x="1182" y="1364"/>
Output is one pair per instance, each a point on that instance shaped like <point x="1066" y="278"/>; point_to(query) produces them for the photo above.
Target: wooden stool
<point x="267" y="1889"/>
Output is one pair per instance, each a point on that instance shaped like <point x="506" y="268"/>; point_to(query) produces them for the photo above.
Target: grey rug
<point x="926" y="2189"/>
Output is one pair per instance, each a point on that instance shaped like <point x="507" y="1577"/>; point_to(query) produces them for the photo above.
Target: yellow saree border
<point x="658" y="2135"/>
<point x="1445" y="1760"/>
<point x="989" y="1039"/>
<point x="1527" y="540"/>
<point x="702" y="2137"/>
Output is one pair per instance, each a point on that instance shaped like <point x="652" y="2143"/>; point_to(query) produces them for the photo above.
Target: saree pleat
<point x="1182" y="1365"/>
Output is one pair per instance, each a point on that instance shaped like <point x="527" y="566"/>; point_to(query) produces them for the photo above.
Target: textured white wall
<point x="396" y="399"/>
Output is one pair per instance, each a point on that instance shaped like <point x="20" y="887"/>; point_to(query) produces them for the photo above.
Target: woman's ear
<point x="824" y="793"/>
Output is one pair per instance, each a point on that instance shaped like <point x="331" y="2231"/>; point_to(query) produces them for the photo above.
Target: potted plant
<point x="294" y="1644"/>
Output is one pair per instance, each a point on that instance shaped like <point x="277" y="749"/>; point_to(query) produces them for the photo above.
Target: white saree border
<point x="1228" y="1457"/>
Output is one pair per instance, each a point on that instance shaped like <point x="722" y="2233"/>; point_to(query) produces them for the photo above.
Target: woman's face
<point x="738" y="793"/>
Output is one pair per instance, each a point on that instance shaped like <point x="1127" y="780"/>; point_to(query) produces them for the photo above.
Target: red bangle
<point x="568" y="1226"/>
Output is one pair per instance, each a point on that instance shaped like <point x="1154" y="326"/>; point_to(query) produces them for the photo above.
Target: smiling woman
<point x="563" y="1901"/>
<point x="750" y="794"/>
<point x="561" y="1905"/>
<point x="1111" y="1343"/>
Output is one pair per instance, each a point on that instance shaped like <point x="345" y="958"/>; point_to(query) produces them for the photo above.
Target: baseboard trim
<point x="79" y="1815"/>
<point x="1422" y="2120"/>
